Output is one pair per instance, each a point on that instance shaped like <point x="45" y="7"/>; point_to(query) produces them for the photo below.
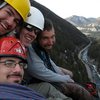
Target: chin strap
<point x="4" y="35"/>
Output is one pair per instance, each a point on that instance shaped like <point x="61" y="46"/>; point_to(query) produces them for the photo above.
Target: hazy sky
<point x="67" y="8"/>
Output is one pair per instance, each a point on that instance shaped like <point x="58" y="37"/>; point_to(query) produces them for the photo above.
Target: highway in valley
<point x="92" y="72"/>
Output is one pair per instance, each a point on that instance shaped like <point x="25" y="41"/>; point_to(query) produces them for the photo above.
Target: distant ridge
<point x="88" y="26"/>
<point x="80" y="20"/>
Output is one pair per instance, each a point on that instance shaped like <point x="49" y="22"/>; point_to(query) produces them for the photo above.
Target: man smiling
<point x="12" y="13"/>
<point x="12" y="64"/>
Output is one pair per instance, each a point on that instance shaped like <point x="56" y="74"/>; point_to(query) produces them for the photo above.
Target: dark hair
<point x="18" y="30"/>
<point x="48" y="25"/>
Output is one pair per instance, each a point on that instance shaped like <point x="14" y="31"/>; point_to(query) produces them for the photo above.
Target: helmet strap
<point x="6" y="34"/>
<point x="3" y="4"/>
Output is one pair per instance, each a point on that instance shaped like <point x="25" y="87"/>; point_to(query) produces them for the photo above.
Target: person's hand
<point x="69" y="79"/>
<point x="67" y="72"/>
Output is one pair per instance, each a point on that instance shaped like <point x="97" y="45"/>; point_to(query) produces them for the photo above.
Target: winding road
<point x="92" y="72"/>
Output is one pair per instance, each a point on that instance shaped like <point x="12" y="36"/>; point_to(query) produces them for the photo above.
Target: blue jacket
<point x="38" y="69"/>
<point x="18" y="92"/>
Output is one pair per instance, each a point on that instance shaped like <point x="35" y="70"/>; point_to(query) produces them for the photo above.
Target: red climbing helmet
<point x="12" y="47"/>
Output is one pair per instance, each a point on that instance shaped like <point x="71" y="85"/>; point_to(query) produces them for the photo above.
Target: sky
<point x="67" y="8"/>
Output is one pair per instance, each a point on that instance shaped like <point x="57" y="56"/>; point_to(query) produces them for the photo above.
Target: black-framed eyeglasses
<point x="12" y="64"/>
<point x="30" y="28"/>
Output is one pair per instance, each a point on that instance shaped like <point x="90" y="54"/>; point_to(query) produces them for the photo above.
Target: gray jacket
<point x="37" y="69"/>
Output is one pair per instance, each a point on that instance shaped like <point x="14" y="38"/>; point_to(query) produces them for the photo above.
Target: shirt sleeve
<point x="38" y="70"/>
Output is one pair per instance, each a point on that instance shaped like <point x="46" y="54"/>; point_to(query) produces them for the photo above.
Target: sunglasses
<point x="31" y="28"/>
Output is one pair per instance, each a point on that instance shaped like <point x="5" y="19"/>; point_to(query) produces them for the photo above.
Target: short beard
<point x="17" y="82"/>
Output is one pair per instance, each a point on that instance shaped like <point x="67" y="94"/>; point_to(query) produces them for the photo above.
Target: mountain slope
<point x="88" y="26"/>
<point x="80" y="20"/>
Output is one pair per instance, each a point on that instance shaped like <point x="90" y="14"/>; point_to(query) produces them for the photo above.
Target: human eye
<point x="44" y="38"/>
<point x="9" y="63"/>
<point x="23" y="65"/>
<point x="17" y="21"/>
<point x="37" y="31"/>
<point x="9" y="13"/>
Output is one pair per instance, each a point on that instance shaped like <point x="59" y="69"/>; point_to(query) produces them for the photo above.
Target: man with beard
<point x="12" y="64"/>
<point x="43" y="68"/>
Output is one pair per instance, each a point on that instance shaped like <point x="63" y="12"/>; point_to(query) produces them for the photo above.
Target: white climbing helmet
<point x="35" y="18"/>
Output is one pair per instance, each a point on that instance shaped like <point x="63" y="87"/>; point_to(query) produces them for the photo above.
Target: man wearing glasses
<point x="12" y="65"/>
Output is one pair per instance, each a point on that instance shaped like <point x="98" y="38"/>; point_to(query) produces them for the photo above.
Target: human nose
<point x="18" y="68"/>
<point x="51" y="41"/>
<point x="10" y="22"/>
<point x="32" y="34"/>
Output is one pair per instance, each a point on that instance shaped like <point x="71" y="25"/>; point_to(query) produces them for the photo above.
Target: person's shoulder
<point x="13" y="86"/>
<point x="30" y="48"/>
<point x="18" y="91"/>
